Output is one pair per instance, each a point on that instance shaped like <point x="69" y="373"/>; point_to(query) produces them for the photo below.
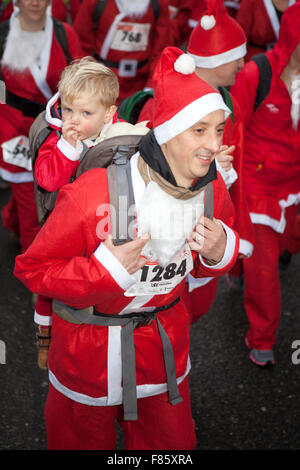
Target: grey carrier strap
<point x="209" y="201"/>
<point x="121" y="194"/>
<point x="129" y="322"/>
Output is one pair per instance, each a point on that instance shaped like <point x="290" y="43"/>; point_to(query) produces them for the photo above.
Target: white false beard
<point x="23" y="48"/>
<point x="295" y="97"/>
<point x="168" y="220"/>
<point x="135" y="8"/>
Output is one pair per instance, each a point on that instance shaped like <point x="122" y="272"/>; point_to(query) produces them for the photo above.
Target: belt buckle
<point x="147" y="319"/>
<point x="127" y="68"/>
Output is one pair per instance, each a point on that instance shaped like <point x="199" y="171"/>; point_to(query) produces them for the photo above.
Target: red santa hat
<point x="181" y="98"/>
<point x="217" y="39"/>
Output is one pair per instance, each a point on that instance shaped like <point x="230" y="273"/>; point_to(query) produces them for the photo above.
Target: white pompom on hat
<point x="217" y="38"/>
<point x="181" y="98"/>
<point x="207" y="22"/>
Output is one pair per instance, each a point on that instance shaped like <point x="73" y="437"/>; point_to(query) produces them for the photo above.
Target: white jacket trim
<point x="20" y="177"/>
<point x="229" y="250"/>
<point x="143" y="391"/>
<point x="114" y="267"/>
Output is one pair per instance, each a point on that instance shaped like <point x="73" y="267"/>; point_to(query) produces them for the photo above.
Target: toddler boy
<point x="80" y="113"/>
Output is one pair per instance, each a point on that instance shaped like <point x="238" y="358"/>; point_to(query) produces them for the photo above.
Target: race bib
<point x="16" y="152"/>
<point x="131" y="37"/>
<point x="152" y="279"/>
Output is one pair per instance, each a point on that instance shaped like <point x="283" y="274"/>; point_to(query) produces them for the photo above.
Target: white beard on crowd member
<point x="295" y="97"/>
<point x="23" y="48"/>
<point x="136" y="8"/>
<point x="168" y="220"/>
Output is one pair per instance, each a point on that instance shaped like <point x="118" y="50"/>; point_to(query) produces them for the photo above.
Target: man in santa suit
<point x="271" y="180"/>
<point x="218" y="46"/>
<point x="134" y="350"/>
<point x="260" y="20"/>
<point x="128" y="37"/>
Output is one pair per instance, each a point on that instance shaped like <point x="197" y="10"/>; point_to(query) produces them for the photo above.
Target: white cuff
<point x="229" y="250"/>
<point x="72" y="153"/>
<point x="246" y="248"/>
<point x="114" y="267"/>
<point x="43" y="320"/>
<point x="229" y="176"/>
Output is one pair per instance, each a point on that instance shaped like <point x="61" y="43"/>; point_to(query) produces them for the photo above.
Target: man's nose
<point x="213" y="142"/>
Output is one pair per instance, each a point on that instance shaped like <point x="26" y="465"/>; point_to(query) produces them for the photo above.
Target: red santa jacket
<point x="180" y="13"/>
<point x="68" y="262"/>
<point x="57" y="160"/>
<point x="261" y="24"/>
<point x="272" y="144"/>
<point x="23" y="83"/>
<point x="134" y="46"/>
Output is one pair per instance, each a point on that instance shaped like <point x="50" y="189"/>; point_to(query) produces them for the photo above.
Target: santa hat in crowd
<point x="217" y="39"/>
<point x="181" y="98"/>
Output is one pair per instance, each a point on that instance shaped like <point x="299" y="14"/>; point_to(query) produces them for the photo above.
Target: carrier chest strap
<point x="209" y="201"/>
<point x="129" y="322"/>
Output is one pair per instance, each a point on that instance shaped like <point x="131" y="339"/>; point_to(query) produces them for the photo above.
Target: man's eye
<point x="199" y="130"/>
<point x="221" y="130"/>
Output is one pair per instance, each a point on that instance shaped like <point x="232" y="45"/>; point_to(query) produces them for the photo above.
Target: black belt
<point x="27" y="107"/>
<point x="129" y="322"/>
<point x="115" y="65"/>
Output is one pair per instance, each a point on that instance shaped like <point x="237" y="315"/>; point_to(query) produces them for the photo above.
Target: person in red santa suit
<point x="31" y="64"/>
<point x="260" y="20"/>
<point x="130" y="360"/>
<point x="62" y="10"/>
<point x="180" y="13"/>
<point x="271" y="180"/>
<point x="217" y="62"/>
<point x="128" y="37"/>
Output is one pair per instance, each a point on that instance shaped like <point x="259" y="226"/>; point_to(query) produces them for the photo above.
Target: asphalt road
<point x="236" y="405"/>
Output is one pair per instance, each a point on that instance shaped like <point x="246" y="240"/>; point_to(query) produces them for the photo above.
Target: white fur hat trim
<point x="185" y="64"/>
<point x="207" y="22"/>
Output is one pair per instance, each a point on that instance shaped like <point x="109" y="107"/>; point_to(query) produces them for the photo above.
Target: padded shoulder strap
<point x="265" y="78"/>
<point x="209" y="201"/>
<point x="61" y="36"/>
<point x="120" y="195"/>
<point x="97" y="13"/>
<point x="130" y="108"/>
<point x="156" y="8"/>
<point x="227" y="100"/>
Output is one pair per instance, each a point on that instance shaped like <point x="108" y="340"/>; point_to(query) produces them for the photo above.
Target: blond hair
<point x="89" y="76"/>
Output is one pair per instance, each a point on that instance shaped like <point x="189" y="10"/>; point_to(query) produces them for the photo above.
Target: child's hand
<point x="70" y="132"/>
<point x="224" y="156"/>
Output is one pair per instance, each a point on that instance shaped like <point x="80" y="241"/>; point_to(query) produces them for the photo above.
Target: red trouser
<point x="73" y="426"/>
<point x="199" y="301"/>
<point x="262" y="296"/>
<point x="292" y="244"/>
<point x="20" y="214"/>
